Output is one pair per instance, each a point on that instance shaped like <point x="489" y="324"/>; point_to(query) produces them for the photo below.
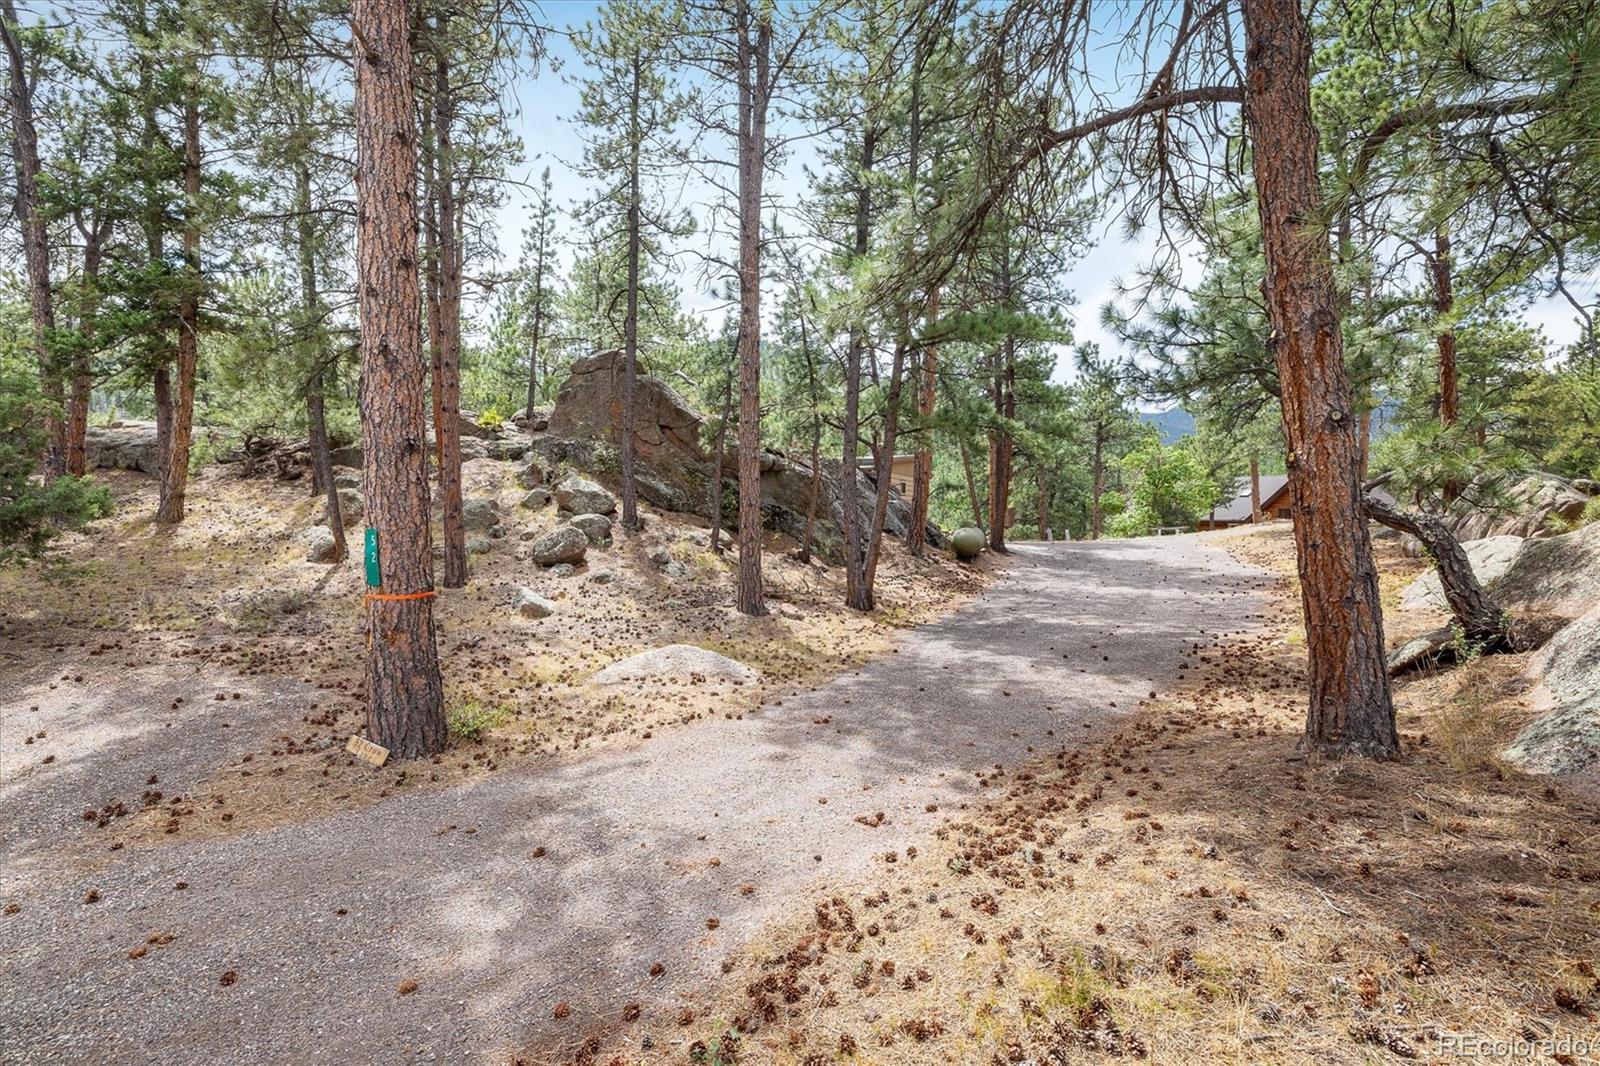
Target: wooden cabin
<point x="1237" y="511"/>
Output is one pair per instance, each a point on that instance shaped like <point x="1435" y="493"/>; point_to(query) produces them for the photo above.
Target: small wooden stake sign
<point x="362" y="748"/>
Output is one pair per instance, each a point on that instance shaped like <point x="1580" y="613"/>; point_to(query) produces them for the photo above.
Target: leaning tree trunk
<point x="884" y="468"/>
<point x="1482" y="621"/>
<point x="404" y="691"/>
<point x="1350" y="709"/>
<point x="175" y="483"/>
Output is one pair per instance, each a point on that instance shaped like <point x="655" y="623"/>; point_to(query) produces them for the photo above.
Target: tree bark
<point x="447" y="358"/>
<point x="1444" y="304"/>
<point x="316" y="386"/>
<point x="175" y="483"/>
<point x="972" y="486"/>
<point x="1255" y="490"/>
<point x="404" y="690"/>
<point x="754" y="84"/>
<point x="884" y="467"/>
<point x="1350" y="709"/>
<point x="35" y="242"/>
<point x="922" y="464"/>
<point x="858" y="594"/>
<point x="815" y="496"/>
<point x="1098" y="481"/>
<point x="630" y="326"/>
<point x="322" y="462"/>
<point x="1482" y="621"/>
<point x="95" y="236"/>
<point x="1043" y="502"/>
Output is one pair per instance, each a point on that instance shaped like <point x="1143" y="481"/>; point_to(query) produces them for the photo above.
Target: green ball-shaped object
<point x="968" y="542"/>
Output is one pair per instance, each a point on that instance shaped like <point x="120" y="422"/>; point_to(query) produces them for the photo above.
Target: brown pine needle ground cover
<point x="222" y="614"/>
<point x="1194" y="890"/>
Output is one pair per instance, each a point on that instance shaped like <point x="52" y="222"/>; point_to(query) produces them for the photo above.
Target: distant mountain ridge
<point x="1173" y="424"/>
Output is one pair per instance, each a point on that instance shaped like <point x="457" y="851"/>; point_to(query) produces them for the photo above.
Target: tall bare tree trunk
<point x="447" y="363"/>
<point x="95" y="236"/>
<point x="1098" y="482"/>
<point x="1044" y="503"/>
<point x="815" y="495"/>
<point x="630" y="326"/>
<point x="718" y="456"/>
<point x="922" y="464"/>
<point x="1444" y="304"/>
<point x="317" y="383"/>
<point x="972" y="486"/>
<point x="1350" y="708"/>
<point x="175" y="483"/>
<point x="884" y="467"/>
<point x="35" y="244"/>
<point x="404" y="690"/>
<point x="754" y="60"/>
<point x="1255" y="490"/>
<point x="858" y="593"/>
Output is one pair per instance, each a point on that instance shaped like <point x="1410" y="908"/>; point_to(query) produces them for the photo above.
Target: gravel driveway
<point x="321" y="922"/>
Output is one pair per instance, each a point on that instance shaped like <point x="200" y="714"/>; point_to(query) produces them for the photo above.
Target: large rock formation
<point x="1566" y="737"/>
<point x="674" y="471"/>
<point x="1554" y="575"/>
<point x="122" y="446"/>
<point x="676" y="662"/>
<point x="1527" y="505"/>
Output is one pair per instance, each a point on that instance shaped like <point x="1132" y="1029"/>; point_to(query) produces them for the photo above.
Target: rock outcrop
<point x="1554" y="575"/>
<point x="1566" y="737"/>
<point x="675" y="472"/>
<point x="122" y="446"/>
<point x="1531" y="505"/>
<point x="676" y="662"/>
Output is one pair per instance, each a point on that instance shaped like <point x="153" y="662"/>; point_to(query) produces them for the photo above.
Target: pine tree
<point x="404" y="690"/>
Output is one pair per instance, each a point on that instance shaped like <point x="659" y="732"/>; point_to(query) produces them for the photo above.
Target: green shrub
<point x="472" y="719"/>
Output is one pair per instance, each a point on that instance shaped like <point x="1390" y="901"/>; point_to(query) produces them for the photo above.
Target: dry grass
<point x="1195" y="890"/>
<point x="229" y="587"/>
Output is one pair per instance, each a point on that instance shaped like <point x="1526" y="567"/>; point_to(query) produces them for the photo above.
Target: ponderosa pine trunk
<point x="883" y="468"/>
<point x="175" y="482"/>
<point x="1043" y="504"/>
<point x="1482" y="621"/>
<point x="317" y="384"/>
<point x="95" y="236"/>
<point x="1001" y="444"/>
<point x="858" y="594"/>
<point x="447" y="356"/>
<point x="404" y="690"/>
<point x="1350" y="709"/>
<point x="1255" y="490"/>
<point x="815" y="494"/>
<point x="1098" y="485"/>
<point x="322" y="462"/>
<point x="35" y="243"/>
<point x="1444" y="303"/>
<point x="972" y="486"/>
<point x="922" y="463"/>
<point x="754" y="66"/>
<point x="630" y="325"/>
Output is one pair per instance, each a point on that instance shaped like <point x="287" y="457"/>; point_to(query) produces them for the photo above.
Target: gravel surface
<point x="562" y="883"/>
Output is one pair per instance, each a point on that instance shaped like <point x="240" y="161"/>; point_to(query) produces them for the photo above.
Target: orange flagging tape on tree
<point x="400" y="595"/>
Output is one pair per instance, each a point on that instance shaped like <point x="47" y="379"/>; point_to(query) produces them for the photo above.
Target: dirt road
<point x="555" y="884"/>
